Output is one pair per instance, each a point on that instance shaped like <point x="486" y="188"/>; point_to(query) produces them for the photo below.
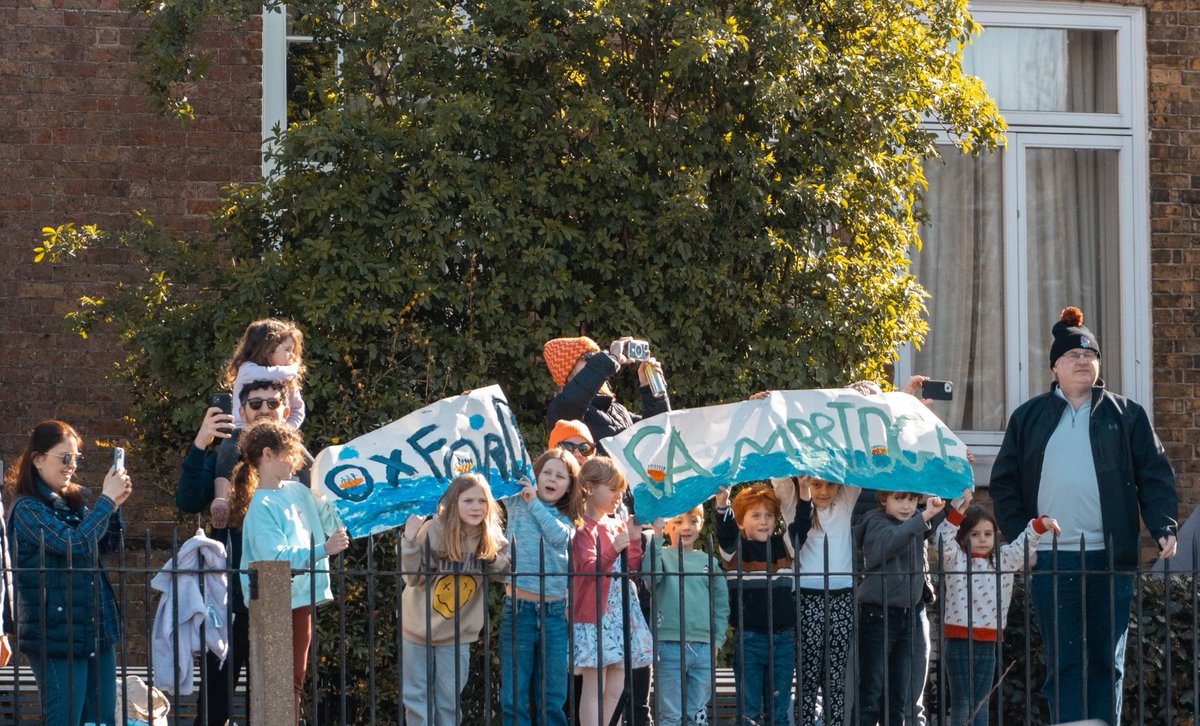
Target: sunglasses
<point x="257" y="403"/>
<point x="583" y="448"/>
<point x="68" y="459"/>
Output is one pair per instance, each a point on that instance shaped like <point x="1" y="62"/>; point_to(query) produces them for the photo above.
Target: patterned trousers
<point x="826" y="632"/>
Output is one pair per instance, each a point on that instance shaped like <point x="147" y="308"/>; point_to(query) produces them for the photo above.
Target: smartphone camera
<point x="118" y="459"/>
<point x="938" y="390"/>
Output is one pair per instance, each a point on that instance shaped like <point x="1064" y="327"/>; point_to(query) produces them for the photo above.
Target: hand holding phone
<point x="937" y="390"/>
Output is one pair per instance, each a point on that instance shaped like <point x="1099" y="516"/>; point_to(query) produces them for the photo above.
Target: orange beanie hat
<point x="565" y="429"/>
<point x="561" y="354"/>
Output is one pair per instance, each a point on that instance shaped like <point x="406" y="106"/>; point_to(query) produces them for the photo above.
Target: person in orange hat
<point x="574" y="438"/>
<point x="581" y="371"/>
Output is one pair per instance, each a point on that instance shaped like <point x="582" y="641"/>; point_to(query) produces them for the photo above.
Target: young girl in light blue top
<point x="284" y="520"/>
<point x="533" y="627"/>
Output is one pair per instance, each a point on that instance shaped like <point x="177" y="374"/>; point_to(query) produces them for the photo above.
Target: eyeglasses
<point x="257" y="403"/>
<point x="1084" y="355"/>
<point x="582" y="447"/>
<point x="68" y="459"/>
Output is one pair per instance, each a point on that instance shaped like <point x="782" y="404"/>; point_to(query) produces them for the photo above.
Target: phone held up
<point x="118" y="459"/>
<point x="938" y="390"/>
<point x="223" y="401"/>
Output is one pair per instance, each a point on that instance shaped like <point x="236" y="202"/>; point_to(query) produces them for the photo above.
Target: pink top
<point x="584" y="557"/>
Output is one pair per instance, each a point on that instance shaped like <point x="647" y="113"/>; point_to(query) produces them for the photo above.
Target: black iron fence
<point x="360" y="653"/>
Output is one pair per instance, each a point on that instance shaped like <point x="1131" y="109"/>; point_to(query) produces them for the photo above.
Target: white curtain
<point x="961" y="264"/>
<point x="1073" y="239"/>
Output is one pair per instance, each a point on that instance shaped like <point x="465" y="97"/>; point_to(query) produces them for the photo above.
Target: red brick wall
<point x="79" y="142"/>
<point x="1173" y="47"/>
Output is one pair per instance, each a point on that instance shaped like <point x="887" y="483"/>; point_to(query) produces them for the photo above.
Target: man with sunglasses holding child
<point x="194" y="495"/>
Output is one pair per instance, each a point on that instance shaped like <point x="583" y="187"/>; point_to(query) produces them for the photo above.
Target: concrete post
<point x="271" y="695"/>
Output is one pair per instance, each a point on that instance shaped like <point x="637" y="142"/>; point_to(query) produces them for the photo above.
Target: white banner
<point x="378" y="479"/>
<point x="675" y="460"/>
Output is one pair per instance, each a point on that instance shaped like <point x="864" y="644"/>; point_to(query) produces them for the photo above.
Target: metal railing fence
<point x="359" y="651"/>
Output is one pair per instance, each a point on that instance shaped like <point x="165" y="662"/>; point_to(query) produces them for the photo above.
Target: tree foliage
<point x="739" y="182"/>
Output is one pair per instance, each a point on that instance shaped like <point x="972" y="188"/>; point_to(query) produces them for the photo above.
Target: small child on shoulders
<point x="892" y="541"/>
<point x="687" y="637"/>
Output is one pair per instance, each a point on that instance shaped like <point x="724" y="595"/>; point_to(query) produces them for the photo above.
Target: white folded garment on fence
<point x="179" y="580"/>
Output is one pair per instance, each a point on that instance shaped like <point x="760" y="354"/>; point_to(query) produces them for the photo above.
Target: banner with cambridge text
<point x="676" y="460"/>
<point x="378" y="479"/>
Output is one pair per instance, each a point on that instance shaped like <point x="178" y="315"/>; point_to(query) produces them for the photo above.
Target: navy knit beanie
<point x="1070" y="333"/>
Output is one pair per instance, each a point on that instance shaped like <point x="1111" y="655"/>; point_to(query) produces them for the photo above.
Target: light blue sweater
<point x="290" y="524"/>
<point x="528" y="524"/>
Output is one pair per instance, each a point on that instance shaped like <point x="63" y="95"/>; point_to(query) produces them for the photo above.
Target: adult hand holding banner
<point x="377" y="480"/>
<point x="675" y="460"/>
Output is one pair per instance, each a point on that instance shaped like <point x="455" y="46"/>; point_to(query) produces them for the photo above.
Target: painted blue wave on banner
<point x="678" y="459"/>
<point x="377" y="480"/>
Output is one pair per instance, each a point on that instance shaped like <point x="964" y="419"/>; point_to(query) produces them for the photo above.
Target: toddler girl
<point x="269" y="350"/>
<point x="282" y="519"/>
<point x="975" y="613"/>
<point x="533" y="627"/>
<point x="600" y="639"/>
<point x="444" y="602"/>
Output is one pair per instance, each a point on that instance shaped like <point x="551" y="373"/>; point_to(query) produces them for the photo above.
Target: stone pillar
<point x="271" y="695"/>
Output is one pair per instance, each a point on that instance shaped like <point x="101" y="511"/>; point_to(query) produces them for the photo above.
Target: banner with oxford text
<point x="676" y="460"/>
<point x="377" y="480"/>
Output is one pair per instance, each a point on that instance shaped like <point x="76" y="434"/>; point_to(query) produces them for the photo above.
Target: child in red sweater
<point x="596" y="601"/>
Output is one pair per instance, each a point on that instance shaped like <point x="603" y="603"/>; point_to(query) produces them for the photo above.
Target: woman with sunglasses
<point x="67" y="620"/>
<point x="581" y="370"/>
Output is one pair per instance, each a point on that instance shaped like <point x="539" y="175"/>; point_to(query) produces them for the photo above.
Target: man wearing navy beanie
<point x="1091" y="459"/>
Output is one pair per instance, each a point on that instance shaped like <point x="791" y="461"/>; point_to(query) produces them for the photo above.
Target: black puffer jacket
<point x="1132" y="470"/>
<point x="604" y="416"/>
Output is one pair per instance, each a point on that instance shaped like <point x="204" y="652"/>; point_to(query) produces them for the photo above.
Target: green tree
<point x="738" y="182"/>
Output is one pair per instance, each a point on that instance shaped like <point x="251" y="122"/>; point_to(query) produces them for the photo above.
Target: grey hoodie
<point x="893" y="559"/>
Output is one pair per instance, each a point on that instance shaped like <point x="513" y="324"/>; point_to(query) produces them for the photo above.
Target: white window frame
<point x="1125" y="131"/>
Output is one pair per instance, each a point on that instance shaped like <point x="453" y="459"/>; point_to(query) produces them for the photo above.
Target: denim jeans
<point x="763" y="666"/>
<point x="887" y="650"/>
<point x="675" y="668"/>
<point x="535" y="636"/>
<point x="77" y="690"/>
<point x="970" y="668"/>
<point x="419" y="690"/>
<point x="1082" y="616"/>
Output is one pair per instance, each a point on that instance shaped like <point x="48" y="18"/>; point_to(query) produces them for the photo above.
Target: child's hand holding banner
<point x="674" y="461"/>
<point x="378" y="479"/>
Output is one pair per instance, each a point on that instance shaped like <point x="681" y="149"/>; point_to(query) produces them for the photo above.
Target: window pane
<point x="1073" y="238"/>
<point x="961" y="264"/>
<point x="307" y="65"/>
<point x="1047" y="69"/>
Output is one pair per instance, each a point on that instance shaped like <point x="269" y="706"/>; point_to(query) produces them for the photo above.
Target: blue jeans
<point x="535" y="636"/>
<point x="763" y="666"/>
<point x="970" y="668"/>
<point x="675" y="667"/>
<point x="887" y="650"/>
<point x="77" y="690"/>
<point x="1082" y="616"/>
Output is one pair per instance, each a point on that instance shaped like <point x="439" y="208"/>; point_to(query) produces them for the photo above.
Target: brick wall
<point x="79" y="142"/>
<point x="1173" y="50"/>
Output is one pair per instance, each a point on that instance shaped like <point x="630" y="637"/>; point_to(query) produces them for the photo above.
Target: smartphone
<point x="938" y="390"/>
<point x="118" y="459"/>
<point x="223" y="401"/>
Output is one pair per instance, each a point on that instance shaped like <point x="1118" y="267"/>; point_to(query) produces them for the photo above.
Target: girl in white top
<point x="825" y="596"/>
<point x="977" y="605"/>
